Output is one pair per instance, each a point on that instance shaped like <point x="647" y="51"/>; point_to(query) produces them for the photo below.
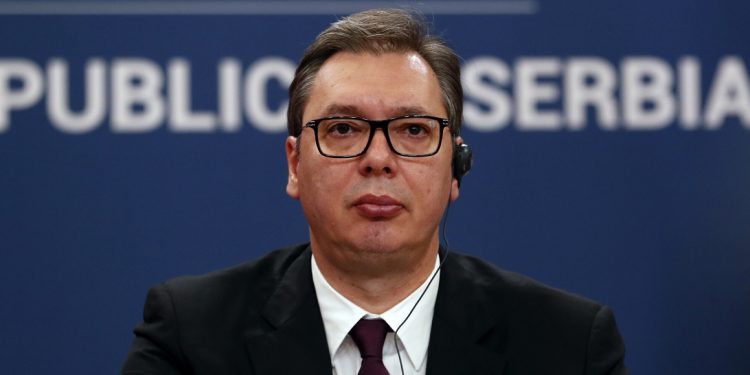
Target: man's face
<point x="378" y="202"/>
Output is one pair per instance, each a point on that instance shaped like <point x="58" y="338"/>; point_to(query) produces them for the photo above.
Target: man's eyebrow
<point x="353" y="110"/>
<point x="410" y="110"/>
<point x="342" y="110"/>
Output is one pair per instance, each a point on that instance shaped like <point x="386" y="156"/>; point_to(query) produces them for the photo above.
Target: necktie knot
<point x="369" y="335"/>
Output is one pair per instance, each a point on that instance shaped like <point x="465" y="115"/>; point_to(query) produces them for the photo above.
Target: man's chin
<point x="376" y="238"/>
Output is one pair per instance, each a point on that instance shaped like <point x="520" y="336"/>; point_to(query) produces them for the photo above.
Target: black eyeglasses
<point x="349" y="137"/>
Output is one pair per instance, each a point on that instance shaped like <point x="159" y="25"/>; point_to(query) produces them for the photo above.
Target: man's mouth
<point x="378" y="206"/>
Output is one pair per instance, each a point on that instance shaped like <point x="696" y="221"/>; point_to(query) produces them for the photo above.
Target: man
<point x="374" y="157"/>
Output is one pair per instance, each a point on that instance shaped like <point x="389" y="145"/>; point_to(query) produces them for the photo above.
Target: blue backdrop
<point x="141" y="141"/>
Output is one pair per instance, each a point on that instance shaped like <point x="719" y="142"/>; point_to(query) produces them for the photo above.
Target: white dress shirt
<point x="340" y="315"/>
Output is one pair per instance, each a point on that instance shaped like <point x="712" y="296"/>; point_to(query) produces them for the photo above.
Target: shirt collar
<point x="340" y="315"/>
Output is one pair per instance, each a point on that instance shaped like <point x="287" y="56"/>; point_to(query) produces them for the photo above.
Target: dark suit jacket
<point x="262" y="317"/>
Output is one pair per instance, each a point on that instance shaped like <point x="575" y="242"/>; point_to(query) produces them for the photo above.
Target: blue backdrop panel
<point x="611" y="142"/>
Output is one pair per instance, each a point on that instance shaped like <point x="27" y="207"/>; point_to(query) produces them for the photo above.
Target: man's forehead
<point x="397" y="83"/>
<point x="353" y="64"/>
<point x="340" y="109"/>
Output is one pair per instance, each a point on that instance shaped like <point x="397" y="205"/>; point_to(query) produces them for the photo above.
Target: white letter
<point x="590" y="81"/>
<point x="229" y="95"/>
<point x="58" y="105"/>
<point x="487" y="93"/>
<point x="689" y="92"/>
<point x="647" y="81"/>
<point x="256" y="103"/>
<point x="730" y="94"/>
<point x="181" y="119"/>
<point x="30" y="77"/>
<point x="136" y="82"/>
<point x="530" y="92"/>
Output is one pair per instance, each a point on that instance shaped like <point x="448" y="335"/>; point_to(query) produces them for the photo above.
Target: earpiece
<point x="462" y="161"/>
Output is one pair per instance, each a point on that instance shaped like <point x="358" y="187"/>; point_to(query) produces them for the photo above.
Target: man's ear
<point x="292" y="160"/>
<point x="454" y="190"/>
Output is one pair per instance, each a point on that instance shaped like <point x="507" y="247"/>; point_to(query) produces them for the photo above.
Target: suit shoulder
<point x="522" y="293"/>
<point x="252" y="281"/>
<point x="539" y="329"/>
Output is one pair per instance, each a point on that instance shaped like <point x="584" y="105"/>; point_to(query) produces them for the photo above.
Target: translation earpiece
<point x="462" y="161"/>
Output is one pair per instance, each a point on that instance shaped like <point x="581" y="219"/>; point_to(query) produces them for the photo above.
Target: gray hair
<point x="378" y="31"/>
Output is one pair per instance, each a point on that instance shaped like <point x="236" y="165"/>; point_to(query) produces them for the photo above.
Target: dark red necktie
<point x="369" y="336"/>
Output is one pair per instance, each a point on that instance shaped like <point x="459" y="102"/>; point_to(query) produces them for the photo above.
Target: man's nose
<point x="379" y="158"/>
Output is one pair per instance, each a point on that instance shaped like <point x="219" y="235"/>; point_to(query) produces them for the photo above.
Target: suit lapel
<point x="291" y="339"/>
<point x="463" y="329"/>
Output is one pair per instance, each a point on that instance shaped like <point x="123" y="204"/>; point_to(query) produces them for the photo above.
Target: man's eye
<point x="341" y="128"/>
<point x="415" y="130"/>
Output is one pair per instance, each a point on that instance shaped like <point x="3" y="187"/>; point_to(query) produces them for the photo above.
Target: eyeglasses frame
<point x="375" y="125"/>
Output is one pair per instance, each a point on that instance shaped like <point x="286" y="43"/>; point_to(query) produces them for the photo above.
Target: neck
<point x="377" y="282"/>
